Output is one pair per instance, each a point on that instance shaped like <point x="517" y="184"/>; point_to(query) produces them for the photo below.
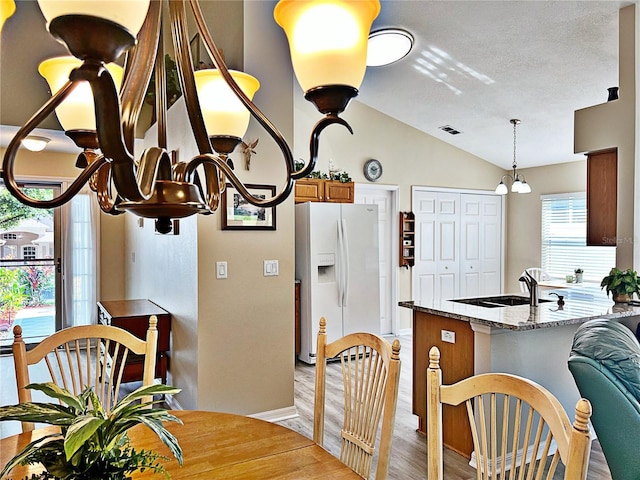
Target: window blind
<point x="564" y="245"/>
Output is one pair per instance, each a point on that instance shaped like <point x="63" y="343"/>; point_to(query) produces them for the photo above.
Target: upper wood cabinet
<point x="602" y="197"/>
<point x="318" y="190"/>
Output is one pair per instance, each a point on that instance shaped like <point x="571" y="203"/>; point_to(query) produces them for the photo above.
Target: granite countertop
<point x="581" y="304"/>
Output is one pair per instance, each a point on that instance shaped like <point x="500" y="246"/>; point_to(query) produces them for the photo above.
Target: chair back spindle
<point x="85" y="356"/>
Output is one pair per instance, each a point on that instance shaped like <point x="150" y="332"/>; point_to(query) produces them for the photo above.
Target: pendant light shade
<point x="327" y="39"/>
<point x="128" y="13"/>
<point x="223" y="113"/>
<point x="78" y="111"/>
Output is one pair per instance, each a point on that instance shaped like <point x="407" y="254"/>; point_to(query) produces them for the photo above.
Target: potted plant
<point x="622" y="284"/>
<point x="578" y="272"/>
<point x="91" y="444"/>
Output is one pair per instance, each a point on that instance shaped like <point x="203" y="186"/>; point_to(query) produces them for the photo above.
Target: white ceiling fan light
<point x="387" y="46"/>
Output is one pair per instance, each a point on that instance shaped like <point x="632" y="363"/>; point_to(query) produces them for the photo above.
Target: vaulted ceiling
<point x="474" y="66"/>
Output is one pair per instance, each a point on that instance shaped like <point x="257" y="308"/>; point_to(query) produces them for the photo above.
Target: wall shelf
<point x="407" y="239"/>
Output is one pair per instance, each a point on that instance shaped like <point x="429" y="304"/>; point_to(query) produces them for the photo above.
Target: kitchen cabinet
<point x="319" y="190"/>
<point x="407" y="239"/>
<point x="602" y="197"/>
<point x="133" y="316"/>
<point x="457" y="363"/>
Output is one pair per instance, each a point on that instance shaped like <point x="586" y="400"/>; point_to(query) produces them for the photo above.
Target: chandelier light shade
<point x="7" y="8"/>
<point x="223" y="112"/>
<point x="328" y="45"/>
<point x="130" y="14"/>
<point x="77" y="112"/>
<point x="328" y="42"/>
<point x="518" y="182"/>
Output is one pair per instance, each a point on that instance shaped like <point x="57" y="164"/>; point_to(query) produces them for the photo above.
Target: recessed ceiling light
<point x="35" y="143"/>
<point x="387" y="46"/>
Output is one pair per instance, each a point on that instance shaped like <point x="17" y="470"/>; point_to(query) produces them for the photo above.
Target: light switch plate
<point x="271" y="268"/>
<point x="221" y="270"/>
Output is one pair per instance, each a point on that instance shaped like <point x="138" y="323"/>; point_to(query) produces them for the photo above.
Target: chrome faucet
<point x="532" y="285"/>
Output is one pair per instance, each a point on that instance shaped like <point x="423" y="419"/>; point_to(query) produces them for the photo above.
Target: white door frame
<point x="394" y="193"/>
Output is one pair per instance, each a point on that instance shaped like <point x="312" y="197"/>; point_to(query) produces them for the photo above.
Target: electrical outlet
<point x="448" y="336"/>
<point x="221" y="270"/>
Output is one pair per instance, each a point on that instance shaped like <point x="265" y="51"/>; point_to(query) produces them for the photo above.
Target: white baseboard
<point x="277" y="415"/>
<point x="172" y="403"/>
<point x="406" y="331"/>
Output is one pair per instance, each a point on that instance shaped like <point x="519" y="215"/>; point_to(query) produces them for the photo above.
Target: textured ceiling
<point x="474" y="66"/>
<point x="477" y="64"/>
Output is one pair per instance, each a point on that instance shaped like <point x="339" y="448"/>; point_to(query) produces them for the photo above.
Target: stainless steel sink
<point x="497" y="301"/>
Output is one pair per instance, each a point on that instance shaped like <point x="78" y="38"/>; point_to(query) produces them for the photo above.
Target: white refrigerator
<point x="338" y="268"/>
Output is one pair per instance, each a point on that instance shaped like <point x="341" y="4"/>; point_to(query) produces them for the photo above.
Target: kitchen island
<point x="533" y="342"/>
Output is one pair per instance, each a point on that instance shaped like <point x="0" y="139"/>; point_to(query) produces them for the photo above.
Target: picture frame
<point x="238" y="214"/>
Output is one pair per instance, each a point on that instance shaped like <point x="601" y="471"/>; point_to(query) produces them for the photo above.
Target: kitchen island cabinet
<point x="533" y="342"/>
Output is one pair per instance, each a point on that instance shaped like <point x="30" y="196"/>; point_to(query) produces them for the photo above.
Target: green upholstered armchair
<point x="605" y="363"/>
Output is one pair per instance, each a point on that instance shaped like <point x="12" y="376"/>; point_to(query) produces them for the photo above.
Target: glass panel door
<point x="30" y="265"/>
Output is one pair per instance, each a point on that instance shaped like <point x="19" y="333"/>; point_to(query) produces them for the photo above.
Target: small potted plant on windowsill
<point x="622" y="284"/>
<point x="578" y="272"/>
<point x="91" y="443"/>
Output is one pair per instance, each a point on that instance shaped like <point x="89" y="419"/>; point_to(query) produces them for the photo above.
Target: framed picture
<point x="238" y="214"/>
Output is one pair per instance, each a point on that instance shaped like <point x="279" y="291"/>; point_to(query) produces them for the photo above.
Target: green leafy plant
<point x="621" y="282"/>
<point x="92" y="443"/>
<point x="578" y="270"/>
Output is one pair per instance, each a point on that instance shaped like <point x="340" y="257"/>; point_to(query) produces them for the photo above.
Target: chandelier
<point x="518" y="182"/>
<point x="328" y="46"/>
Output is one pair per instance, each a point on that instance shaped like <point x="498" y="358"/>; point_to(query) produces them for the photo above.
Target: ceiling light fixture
<point x="387" y="46"/>
<point x="35" y="143"/>
<point x="328" y="46"/>
<point x="518" y="182"/>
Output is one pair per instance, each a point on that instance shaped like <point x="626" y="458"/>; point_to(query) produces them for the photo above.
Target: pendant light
<point x="518" y="182"/>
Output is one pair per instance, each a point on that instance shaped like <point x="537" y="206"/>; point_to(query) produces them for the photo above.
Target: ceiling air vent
<point x="449" y="129"/>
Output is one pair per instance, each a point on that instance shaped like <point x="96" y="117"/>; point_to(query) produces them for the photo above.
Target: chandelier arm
<point x="154" y="164"/>
<point x="185" y="73"/>
<point x="161" y="93"/>
<point x="219" y="62"/>
<point x="14" y="145"/>
<point x="237" y="183"/>
<point x="109" y="128"/>
<point x="103" y="191"/>
<point x="138" y="72"/>
<point x="314" y="143"/>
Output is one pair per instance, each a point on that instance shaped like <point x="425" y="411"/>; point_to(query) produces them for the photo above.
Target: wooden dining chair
<point x="87" y="355"/>
<point x="516" y="425"/>
<point x="370" y="373"/>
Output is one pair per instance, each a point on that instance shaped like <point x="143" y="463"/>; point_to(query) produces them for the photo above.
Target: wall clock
<point x="372" y="170"/>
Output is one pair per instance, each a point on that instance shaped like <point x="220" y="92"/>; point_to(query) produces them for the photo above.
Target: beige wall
<point x="232" y="339"/>
<point x="523" y="226"/>
<point x="613" y="124"/>
<point x="409" y="157"/>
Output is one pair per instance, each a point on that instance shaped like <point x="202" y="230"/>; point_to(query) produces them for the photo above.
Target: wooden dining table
<point x="218" y="445"/>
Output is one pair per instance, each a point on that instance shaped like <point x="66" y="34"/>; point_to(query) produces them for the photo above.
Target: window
<point x="564" y="245"/>
<point x="29" y="252"/>
<point x="10" y="236"/>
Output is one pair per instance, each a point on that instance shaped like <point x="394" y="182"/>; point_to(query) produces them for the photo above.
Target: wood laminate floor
<point x="409" y="449"/>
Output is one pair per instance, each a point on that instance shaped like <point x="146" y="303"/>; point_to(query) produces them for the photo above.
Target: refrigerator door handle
<point x="345" y="263"/>
<point x="340" y="264"/>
